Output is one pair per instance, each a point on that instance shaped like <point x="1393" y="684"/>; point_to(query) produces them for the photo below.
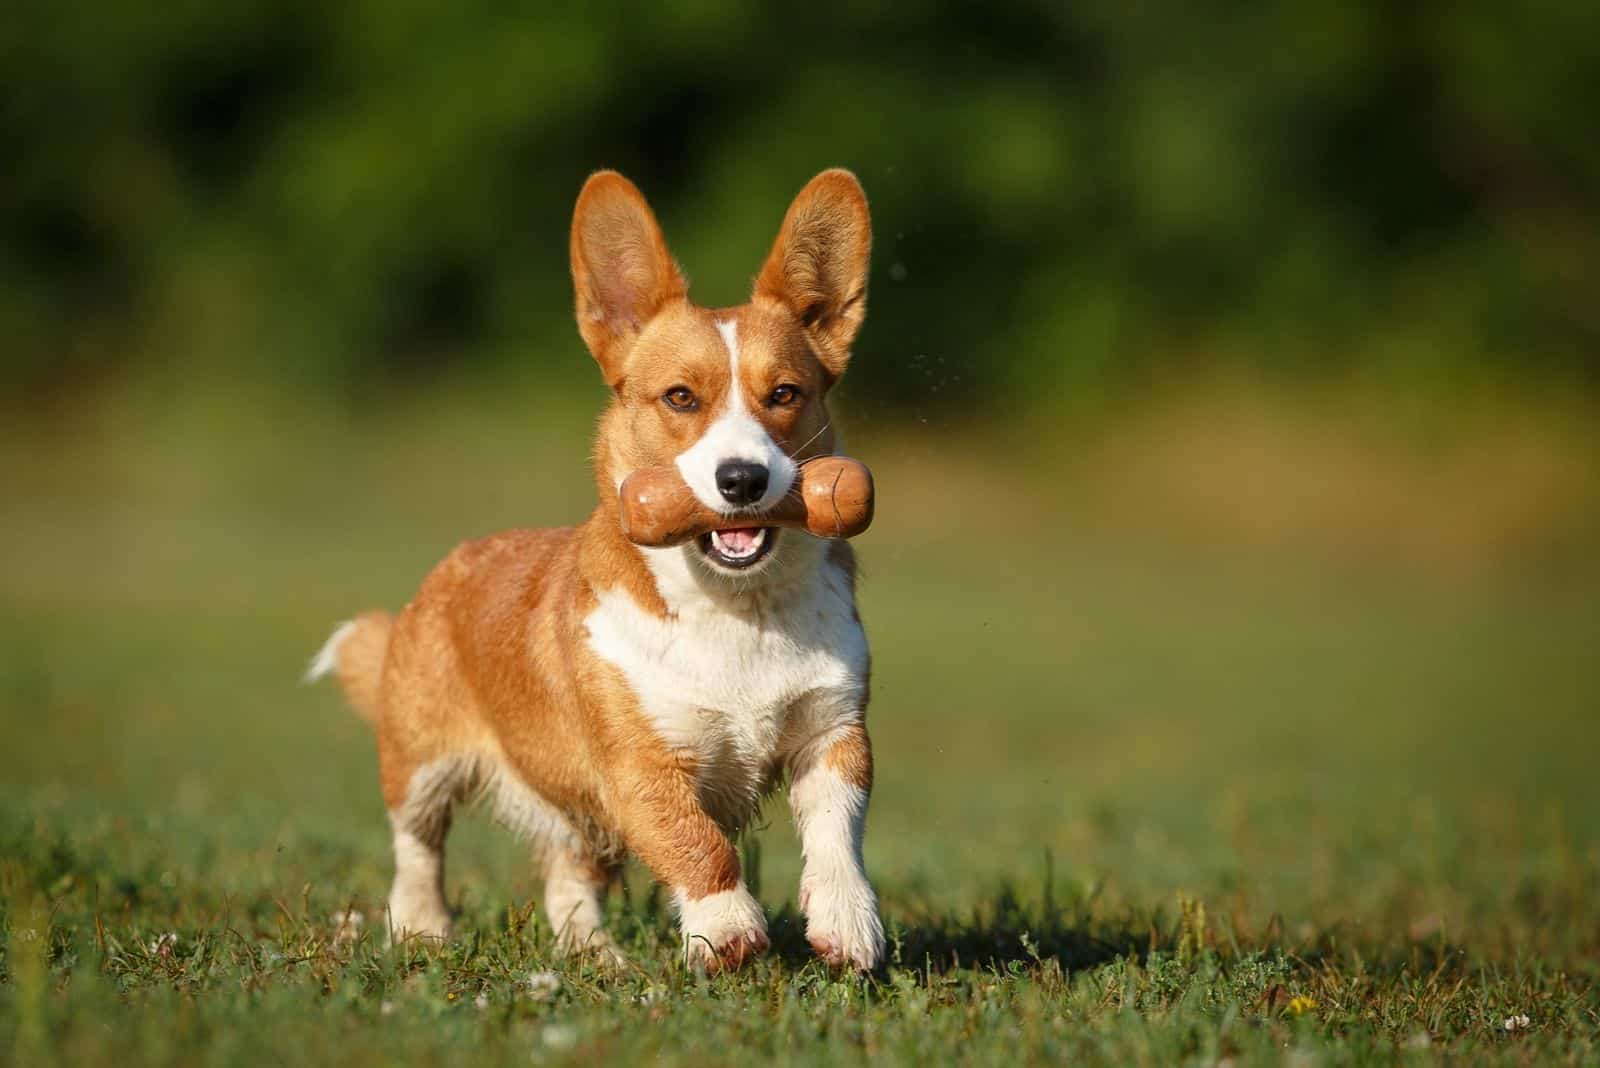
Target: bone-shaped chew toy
<point x="832" y="498"/>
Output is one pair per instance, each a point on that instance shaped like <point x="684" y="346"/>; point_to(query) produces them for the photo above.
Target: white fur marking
<point x="724" y="674"/>
<point x="326" y="662"/>
<point x="729" y="329"/>
<point x="416" y="902"/>
<point x="735" y="435"/>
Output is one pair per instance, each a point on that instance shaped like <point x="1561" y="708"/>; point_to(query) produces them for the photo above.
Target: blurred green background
<point x="1065" y="195"/>
<point x="1230" y="376"/>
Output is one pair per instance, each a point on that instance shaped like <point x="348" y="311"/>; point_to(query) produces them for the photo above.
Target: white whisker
<point x="795" y="455"/>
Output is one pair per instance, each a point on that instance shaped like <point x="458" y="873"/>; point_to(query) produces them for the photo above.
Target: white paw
<point x="722" y="930"/>
<point x="842" y="921"/>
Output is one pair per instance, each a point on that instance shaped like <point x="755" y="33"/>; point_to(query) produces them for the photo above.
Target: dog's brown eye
<point x="783" y="396"/>
<point x="681" y="398"/>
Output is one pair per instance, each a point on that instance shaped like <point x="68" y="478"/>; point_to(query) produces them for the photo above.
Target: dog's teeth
<point x="748" y="547"/>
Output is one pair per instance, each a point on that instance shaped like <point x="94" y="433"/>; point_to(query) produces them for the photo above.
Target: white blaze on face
<point x="736" y="436"/>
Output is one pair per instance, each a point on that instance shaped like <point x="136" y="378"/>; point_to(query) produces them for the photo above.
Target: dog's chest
<point x="734" y="688"/>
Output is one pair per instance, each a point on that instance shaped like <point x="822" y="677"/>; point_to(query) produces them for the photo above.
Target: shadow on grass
<point x="1012" y="931"/>
<point x="998" y="933"/>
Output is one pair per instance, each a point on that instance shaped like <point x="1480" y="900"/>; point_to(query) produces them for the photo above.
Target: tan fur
<point x="851" y="757"/>
<point x="486" y="681"/>
<point x="360" y="666"/>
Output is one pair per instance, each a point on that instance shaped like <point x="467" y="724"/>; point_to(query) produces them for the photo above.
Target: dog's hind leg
<point x="576" y="871"/>
<point x="421" y="821"/>
<point x="575" y="883"/>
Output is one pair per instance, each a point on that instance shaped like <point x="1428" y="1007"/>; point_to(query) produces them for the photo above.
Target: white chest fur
<point x="738" y="679"/>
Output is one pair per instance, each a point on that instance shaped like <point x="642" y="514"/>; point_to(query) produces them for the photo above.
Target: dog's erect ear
<point x="818" y="265"/>
<point x="621" y="268"/>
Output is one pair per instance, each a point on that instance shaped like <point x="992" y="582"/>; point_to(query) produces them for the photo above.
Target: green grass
<point x="1137" y="794"/>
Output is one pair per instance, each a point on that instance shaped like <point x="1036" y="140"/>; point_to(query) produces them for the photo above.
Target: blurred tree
<point x="1062" y="193"/>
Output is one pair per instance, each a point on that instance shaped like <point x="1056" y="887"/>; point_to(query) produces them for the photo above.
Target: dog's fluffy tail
<point x="355" y="652"/>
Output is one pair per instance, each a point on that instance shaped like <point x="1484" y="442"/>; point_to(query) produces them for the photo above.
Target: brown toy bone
<point x="832" y="498"/>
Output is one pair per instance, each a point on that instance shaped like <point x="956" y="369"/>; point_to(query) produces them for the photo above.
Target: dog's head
<point x="735" y="398"/>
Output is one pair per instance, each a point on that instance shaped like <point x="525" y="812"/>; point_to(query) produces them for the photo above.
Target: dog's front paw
<point x="842" y="921"/>
<point x="722" y="930"/>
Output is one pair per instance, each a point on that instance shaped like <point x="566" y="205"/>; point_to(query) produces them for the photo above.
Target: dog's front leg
<point x="830" y="779"/>
<point x="669" y="830"/>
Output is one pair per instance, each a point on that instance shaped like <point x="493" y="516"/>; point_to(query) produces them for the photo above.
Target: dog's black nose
<point x="741" y="483"/>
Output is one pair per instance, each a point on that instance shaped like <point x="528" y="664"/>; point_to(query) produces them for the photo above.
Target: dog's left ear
<point x="818" y="265"/>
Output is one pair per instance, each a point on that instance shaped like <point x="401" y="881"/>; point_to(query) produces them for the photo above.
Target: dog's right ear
<point x="818" y="266"/>
<point x="621" y="268"/>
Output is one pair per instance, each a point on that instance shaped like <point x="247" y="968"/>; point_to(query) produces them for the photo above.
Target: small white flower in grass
<point x="1519" y="1022"/>
<point x="162" y="945"/>
<point x="481" y="1001"/>
<point x="542" y="986"/>
<point x="386" y="1008"/>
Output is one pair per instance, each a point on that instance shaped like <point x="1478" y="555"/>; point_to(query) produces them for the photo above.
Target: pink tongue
<point x="739" y="539"/>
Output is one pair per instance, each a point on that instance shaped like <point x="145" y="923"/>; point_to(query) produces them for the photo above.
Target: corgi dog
<point x="606" y="698"/>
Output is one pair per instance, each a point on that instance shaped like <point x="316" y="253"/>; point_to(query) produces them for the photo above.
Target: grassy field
<point x="1240" y="738"/>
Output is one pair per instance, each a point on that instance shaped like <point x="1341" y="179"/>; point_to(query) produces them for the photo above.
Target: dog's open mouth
<point x="738" y="547"/>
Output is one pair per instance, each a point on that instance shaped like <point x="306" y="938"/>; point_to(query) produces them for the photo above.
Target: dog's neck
<point x="687" y="584"/>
